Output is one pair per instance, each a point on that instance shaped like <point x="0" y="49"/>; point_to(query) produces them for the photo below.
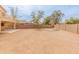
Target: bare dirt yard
<point x="39" y="41"/>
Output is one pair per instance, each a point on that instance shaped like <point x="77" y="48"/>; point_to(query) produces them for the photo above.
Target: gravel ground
<point x="39" y="41"/>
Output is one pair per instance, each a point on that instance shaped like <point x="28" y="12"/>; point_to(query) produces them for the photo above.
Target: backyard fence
<point x="68" y="27"/>
<point x="28" y="25"/>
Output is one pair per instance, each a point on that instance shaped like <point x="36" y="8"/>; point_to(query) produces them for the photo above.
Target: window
<point x="2" y="24"/>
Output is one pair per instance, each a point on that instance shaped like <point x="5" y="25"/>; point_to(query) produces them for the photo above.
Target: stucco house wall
<point x="6" y="21"/>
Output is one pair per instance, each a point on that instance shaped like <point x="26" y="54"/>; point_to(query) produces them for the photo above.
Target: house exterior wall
<point x="6" y="21"/>
<point x="0" y="26"/>
<point x="7" y="25"/>
<point x="2" y="13"/>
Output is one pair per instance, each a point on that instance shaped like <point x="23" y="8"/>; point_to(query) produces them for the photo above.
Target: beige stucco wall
<point x="7" y="25"/>
<point x="6" y="19"/>
<point x="1" y="15"/>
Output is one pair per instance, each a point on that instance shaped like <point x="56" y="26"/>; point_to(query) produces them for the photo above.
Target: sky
<point x="24" y="11"/>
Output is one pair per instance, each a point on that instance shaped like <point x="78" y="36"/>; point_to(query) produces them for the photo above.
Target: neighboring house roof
<point x="5" y="16"/>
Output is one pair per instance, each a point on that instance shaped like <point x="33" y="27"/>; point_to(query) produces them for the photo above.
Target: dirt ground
<point x="39" y="41"/>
